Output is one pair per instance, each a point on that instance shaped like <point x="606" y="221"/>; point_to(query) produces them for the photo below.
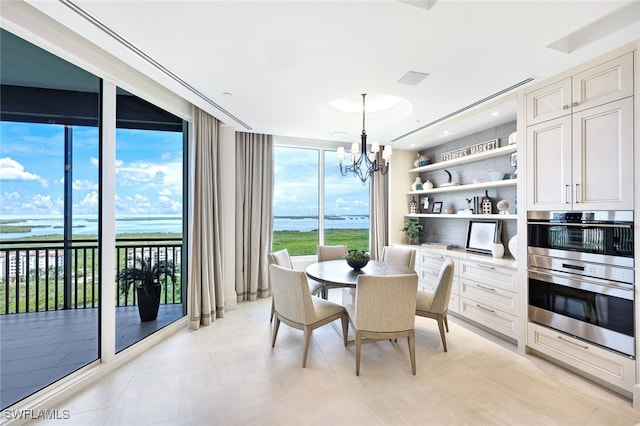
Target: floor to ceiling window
<point x="49" y="280"/>
<point x="149" y="206"/>
<point x="313" y="204"/>
<point x="50" y="186"/>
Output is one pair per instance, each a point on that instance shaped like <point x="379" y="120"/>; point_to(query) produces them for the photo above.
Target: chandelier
<point x="364" y="165"/>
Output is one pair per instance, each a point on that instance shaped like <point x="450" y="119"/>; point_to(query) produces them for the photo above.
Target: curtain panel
<point x="254" y="215"/>
<point x="378" y="213"/>
<point x="205" y="288"/>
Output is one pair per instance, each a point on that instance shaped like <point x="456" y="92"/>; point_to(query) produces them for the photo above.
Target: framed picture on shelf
<point x="480" y="235"/>
<point x="437" y="207"/>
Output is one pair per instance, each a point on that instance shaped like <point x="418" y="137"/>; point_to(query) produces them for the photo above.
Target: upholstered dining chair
<point x="295" y="307"/>
<point x="330" y="253"/>
<point x="282" y="258"/>
<point x="435" y="305"/>
<point x="384" y="308"/>
<point x="400" y="256"/>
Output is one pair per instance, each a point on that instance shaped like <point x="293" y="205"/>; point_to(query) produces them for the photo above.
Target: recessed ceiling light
<point x="495" y="113"/>
<point x="227" y="94"/>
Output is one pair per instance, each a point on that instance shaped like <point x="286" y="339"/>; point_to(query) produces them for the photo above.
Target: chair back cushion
<point x="331" y="252"/>
<point x="443" y="291"/>
<point x="400" y="256"/>
<point x="281" y="258"/>
<point x="291" y="296"/>
<point x="385" y="303"/>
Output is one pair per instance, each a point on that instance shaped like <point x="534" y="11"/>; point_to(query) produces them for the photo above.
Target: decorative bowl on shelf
<point x="357" y="259"/>
<point x="495" y="176"/>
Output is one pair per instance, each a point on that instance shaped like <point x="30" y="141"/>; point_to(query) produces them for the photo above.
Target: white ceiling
<point x="273" y="66"/>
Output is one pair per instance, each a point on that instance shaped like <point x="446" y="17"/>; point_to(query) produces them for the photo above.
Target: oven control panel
<point x="597" y="270"/>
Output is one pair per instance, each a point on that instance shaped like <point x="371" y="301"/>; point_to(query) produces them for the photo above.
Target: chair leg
<point x="412" y="350"/>
<point x="273" y="309"/>
<point x="275" y="331"/>
<point x="307" y="339"/>
<point x="345" y="327"/>
<point x="358" y="350"/>
<point x="441" y="320"/>
<point x="446" y="322"/>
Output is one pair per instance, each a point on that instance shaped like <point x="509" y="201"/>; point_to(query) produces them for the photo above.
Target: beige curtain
<point x="254" y="217"/>
<point x="206" y="289"/>
<point x="378" y="214"/>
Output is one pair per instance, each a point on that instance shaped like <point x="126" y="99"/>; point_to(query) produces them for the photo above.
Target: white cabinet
<point x="579" y="140"/>
<point x="582" y="161"/>
<point x="428" y="266"/>
<point x="613" y="368"/>
<point x="489" y="296"/>
<point x="607" y="82"/>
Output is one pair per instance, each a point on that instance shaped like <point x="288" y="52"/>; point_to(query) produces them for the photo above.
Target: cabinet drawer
<point x="494" y="319"/>
<point x="488" y="274"/>
<point x="491" y="297"/>
<point x="603" y="364"/>
<point x="454" y="303"/>
<point x="430" y="284"/>
<point x="431" y="260"/>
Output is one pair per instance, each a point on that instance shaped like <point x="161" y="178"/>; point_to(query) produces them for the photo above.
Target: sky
<point x="148" y="174"/>
<point x="296" y="185"/>
<point x="148" y="170"/>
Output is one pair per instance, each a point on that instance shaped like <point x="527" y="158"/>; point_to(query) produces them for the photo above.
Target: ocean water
<point x="53" y="225"/>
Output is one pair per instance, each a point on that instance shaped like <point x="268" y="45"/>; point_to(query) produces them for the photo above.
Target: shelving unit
<point x="466" y="159"/>
<point x="463" y="216"/>
<point x="466" y="187"/>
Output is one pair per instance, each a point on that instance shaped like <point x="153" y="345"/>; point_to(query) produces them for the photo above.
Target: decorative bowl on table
<point x="357" y="259"/>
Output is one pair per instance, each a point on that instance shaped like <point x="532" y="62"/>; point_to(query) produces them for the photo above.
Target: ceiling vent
<point x="413" y="78"/>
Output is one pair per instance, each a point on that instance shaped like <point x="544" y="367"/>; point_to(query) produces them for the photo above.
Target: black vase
<point x="149" y="302"/>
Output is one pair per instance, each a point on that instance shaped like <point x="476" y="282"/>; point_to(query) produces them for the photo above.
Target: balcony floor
<point x="38" y="348"/>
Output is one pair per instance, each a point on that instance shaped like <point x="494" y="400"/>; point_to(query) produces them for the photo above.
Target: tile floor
<point x="228" y="374"/>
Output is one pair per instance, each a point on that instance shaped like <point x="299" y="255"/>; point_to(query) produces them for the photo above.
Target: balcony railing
<point x="49" y="275"/>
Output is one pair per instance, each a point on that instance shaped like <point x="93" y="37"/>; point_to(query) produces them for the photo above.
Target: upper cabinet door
<point x="603" y="83"/>
<point x="603" y="157"/>
<point x="549" y="102"/>
<point x="549" y="163"/>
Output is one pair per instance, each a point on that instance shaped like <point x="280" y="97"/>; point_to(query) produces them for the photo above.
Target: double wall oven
<point x="581" y="276"/>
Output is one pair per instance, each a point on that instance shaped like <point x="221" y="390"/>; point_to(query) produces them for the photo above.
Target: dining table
<point x="338" y="274"/>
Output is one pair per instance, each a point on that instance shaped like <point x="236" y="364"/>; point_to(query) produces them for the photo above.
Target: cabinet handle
<point x="480" y="265"/>
<point x="575" y="104"/>
<point x="578" y="199"/>
<point x="485" y="309"/>
<point x="573" y="343"/>
<point x="485" y="287"/>
<point x="565" y="106"/>
<point x="567" y="194"/>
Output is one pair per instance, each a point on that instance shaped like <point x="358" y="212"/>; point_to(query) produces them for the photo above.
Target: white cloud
<point x="12" y="170"/>
<point x="165" y="155"/>
<point x="80" y="184"/>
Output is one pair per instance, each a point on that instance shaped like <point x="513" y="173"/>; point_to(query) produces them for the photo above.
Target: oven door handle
<point x="584" y="225"/>
<point x="563" y="279"/>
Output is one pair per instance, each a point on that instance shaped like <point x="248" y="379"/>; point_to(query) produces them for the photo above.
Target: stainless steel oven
<point x="581" y="276"/>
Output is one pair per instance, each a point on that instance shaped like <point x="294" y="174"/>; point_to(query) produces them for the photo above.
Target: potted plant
<point x="412" y="230"/>
<point x="148" y="278"/>
<point x="357" y="259"/>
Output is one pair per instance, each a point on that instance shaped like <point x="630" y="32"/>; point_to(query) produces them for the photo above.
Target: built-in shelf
<point x="464" y="216"/>
<point x="466" y="159"/>
<point x="467" y="187"/>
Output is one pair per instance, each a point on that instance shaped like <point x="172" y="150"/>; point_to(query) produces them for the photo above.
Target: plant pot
<point x="148" y="302"/>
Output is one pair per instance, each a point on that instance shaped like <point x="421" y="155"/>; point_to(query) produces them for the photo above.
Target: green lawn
<point x="305" y="243"/>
